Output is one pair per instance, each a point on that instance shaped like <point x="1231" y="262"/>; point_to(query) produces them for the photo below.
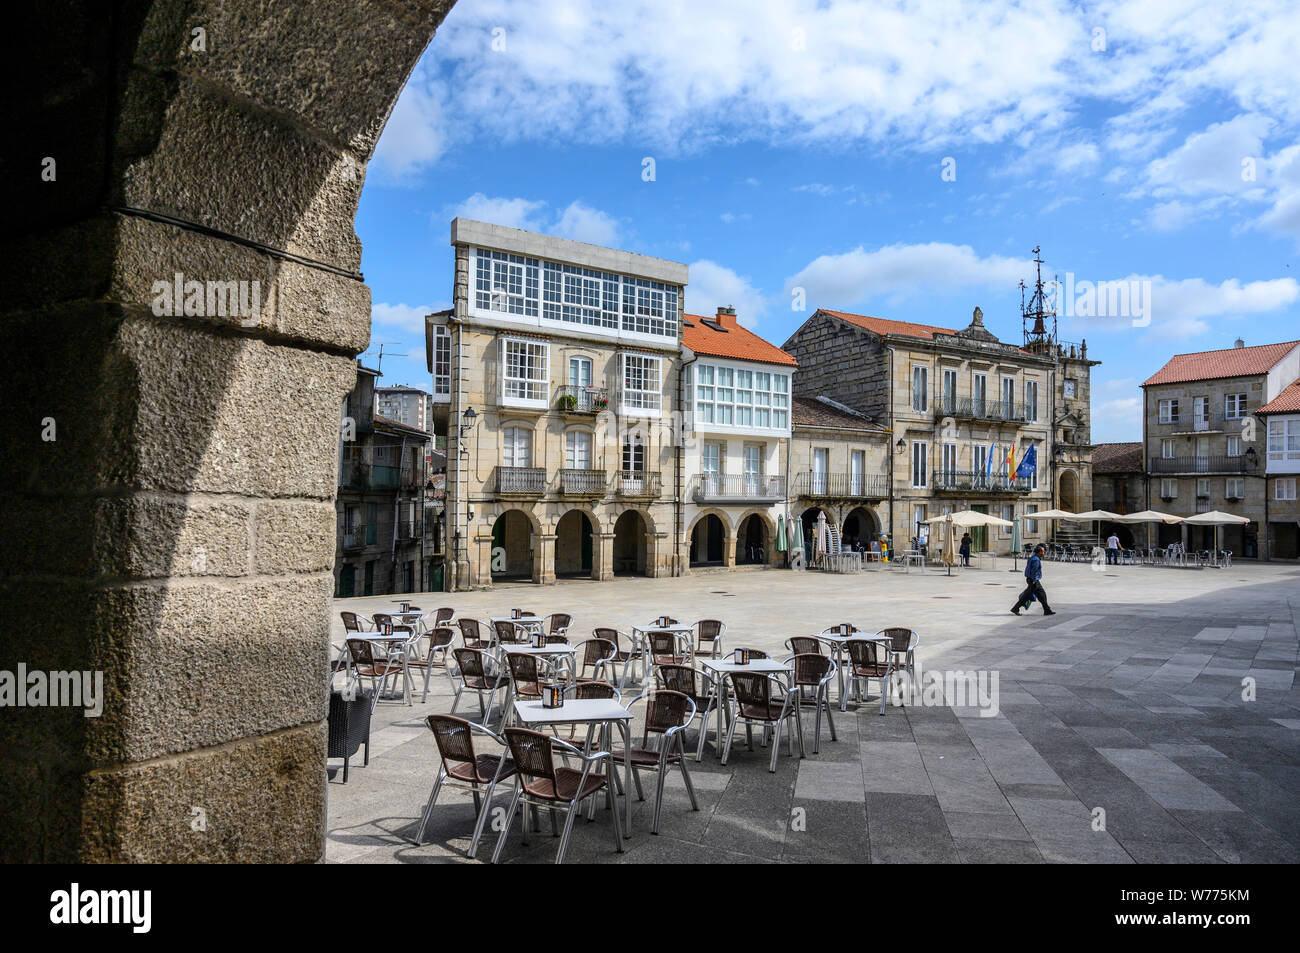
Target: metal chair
<point x="667" y="648"/>
<point x="815" y="671"/>
<point x="367" y="663"/>
<point x="462" y="767"/>
<point x="667" y="715"/>
<point x="902" y="643"/>
<point x="478" y="675"/>
<point x="755" y="693"/>
<point x="627" y="658"/>
<point x="440" y="640"/>
<point x="709" y="634"/>
<point x="471" y="634"/>
<point x="869" y="658"/>
<point x="591" y="658"/>
<point x="804" y="645"/>
<point x="682" y="678"/>
<point x="557" y="623"/>
<point x="539" y="782"/>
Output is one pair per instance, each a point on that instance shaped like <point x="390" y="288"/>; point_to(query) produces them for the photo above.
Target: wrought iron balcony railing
<point x="1194" y="464"/>
<point x="741" y="487"/>
<point x="977" y="481"/>
<point x="582" y="482"/>
<point x="581" y="400"/>
<point x="841" y="485"/>
<point x="637" y="483"/>
<point x="1007" y="410"/>
<point x="356" y="539"/>
<point x="521" y="481"/>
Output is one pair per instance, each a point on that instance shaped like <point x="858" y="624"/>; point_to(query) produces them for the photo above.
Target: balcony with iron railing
<point x="355" y="538"/>
<point x="844" y="486"/>
<point x="737" y="487"/>
<point x="637" y="483"/>
<point x="586" y="401"/>
<point x="974" y="408"/>
<point x="977" y="481"/>
<point x="1196" y="423"/>
<point x="1196" y="464"/>
<point x="583" y="482"/>
<point x="407" y="529"/>
<point x="520" y="481"/>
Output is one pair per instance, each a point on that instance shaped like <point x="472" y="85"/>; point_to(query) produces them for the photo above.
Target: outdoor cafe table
<point x="529" y="622"/>
<point x="590" y="712"/>
<point x="721" y="668"/>
<point x="679" y="629"/>
<point x="546" y="651"/>
<point x="838" y="642"/>
<point x="389" y="641"/>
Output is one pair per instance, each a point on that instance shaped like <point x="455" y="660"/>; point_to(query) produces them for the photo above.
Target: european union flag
<point x="1028" y="463"/>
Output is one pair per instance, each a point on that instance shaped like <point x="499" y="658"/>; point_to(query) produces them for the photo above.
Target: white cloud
<point x="499" y="210"/>
<point x="1211" y="161"/>
<point x="415" y="137"/>
<point x="582" y="223"/>
<point x="404" y="317"/>
<point x="854" y="276"/>
<point x="713" y="285"/>
<point x="1118" y="419"/>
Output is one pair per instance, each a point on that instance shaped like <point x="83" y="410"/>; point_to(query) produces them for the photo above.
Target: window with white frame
<point x="1283" y="439"/>
<point x="1284" y="488"/>
<point x="920" y="461"/>
<point x="1168" y="489"/>
<point x="1234" y="446"/>
<point x="1031" y="401"/>
<point x="641" y="382"/>
<point x="580" y="372"/>
<point x="1202" y="487"/>
<point x="525" y="371"/>
<point x="741" y="398"/>
<point x="1008" y="514"/>
<point x="649" y="307"/>
<point x="633" y="454"/>
<point x="505" y="283"/>
<point x="516" y="447"/>
<point x="949" y="464"/>
<point x="1031" y="526"/>
<point x="920" y="381"/>
<point x="1234" y="488"/>
<point x="979" y="391"/>
<point x="1167" y="448"/>
<point x="1169" y="411"/>
<point x="918" y="519"/>
<point x="1033" y="476"/>
<point x="1234" y="406"/>
<point x="1008" y="395"/>
<point x="441" y="360"/>
<point x="949" y="392"/>
<point x="579" y="295"/>
<point x="577" y="450"/>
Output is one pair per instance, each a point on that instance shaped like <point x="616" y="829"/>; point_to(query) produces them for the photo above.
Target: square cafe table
<point x="591" y="712"/>
<point x="720" y="668"/>
<point x="389" y="642"/>
<point x="679" y="629"/>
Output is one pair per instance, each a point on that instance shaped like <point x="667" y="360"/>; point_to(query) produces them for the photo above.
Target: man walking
<point x="1034" y="584"/>
<point x="1112" y="550"/>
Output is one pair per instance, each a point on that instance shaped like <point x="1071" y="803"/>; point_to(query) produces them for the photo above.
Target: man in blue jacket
<point x="1034" y="583"/>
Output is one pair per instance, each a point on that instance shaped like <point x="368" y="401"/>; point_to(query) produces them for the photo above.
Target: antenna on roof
<point x="1038" y="309"/>
<point x="379" y="363"/>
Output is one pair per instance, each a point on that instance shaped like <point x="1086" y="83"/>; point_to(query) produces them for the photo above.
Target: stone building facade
<point x="1204" y="444"/>
<point x="1119" y="486"/>
<point x="957" y="404"/>
<point x="1280" y="419"/>
<point x="567" y="354"/>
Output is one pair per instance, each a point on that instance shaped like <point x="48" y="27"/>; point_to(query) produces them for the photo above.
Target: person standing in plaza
<point x="964" y="550"/>
<point x="1112" y="549"/>
<point x="1034" y="583"/>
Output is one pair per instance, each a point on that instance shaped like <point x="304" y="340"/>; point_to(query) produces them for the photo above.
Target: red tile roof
<point x="1117" y="458"/>
<point x="822" y="412"/>
<point x="1214" y="365"/>
<point x="884" y="326"/>
<point x="731" y="341"/>
<point x="1287" y="402"/>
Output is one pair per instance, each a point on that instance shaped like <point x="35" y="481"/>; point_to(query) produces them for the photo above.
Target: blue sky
<point x="897" y="159"/>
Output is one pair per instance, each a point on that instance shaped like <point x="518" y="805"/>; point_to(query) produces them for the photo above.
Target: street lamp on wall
<point x="900" y="446"/>
<point x="467" y="420"/>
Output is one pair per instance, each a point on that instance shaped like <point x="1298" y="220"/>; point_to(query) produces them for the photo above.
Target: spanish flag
<point x="1011" y="458"/>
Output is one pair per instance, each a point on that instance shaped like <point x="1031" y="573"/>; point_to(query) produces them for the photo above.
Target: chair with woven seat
<point x="814" y="672"/>
<point x="667" y="715"/>
<point x="478" y="675"/>
<point x="557" y="623"/>
<point x="540" y="782"/>
<point x="529" y="674"/>
<point x="352" y="622"/>
<point x="868" y="658"/>
<point x="902" y="644"/>
<point x="440" y="640"/>
<point x="708" y="638"/>
<point x="764" y="700"/>
<point x="804" y="645"/>
<point x="367" y="663"/>
<point x="462" y="767"/>
<point x="666" y="648"/>
<point x="700" y="688"/>
<point x="628" y="657"/>
<point x="507" y="633"/>
<point x="472" y="635"/>
<point x="595" y="661"/>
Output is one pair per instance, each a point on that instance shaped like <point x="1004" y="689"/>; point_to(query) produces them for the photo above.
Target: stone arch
<point x="756" y="538"/>
<point x="861" y="524"/>
<point x="1068" y="492"/>
<point x="576" y="545"/>
<point x="241" y="164"/>
<point x="597" y="524"/>
<point x="631" y="550"/>
<point x="514" y="541"/>
<point x="721" y="514"/>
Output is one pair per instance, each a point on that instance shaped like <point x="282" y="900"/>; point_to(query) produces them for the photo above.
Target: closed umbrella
<point x="1016" y="542"/>
<point x="949" y="555"/>
<point x="820" y="539"/>
<point x="780" y="534"/>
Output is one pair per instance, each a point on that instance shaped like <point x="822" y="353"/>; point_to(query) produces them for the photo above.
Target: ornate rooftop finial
<point x="977" y="318"/>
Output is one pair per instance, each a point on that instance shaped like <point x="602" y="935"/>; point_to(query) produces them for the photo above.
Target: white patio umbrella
<point x="819" y="543"/>
<point x="1148" y="517"/>
<point x="1093" y="516"/>
<point x="1050" y="515"/>
<point x="963" y="519"/>
<point x="1216" y="519"/>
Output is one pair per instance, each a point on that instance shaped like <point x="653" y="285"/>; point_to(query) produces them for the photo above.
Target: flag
<point x="1028" y="463"/>
<point x="1011" y="458"/>
<point x="988" y="463"/>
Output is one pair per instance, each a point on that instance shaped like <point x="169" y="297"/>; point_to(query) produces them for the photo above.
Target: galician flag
<point x="988" y="463"/>
<point x="1028" y="463"/>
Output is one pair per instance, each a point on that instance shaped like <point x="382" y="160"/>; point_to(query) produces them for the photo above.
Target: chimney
<point x="1239" y="343"/>
<point x="726" y="316"/>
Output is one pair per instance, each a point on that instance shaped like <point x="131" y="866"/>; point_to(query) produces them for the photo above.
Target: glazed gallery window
<point x="741" y="398"/>
<point x="505" y="283"/>
<point x="1283" y="440"/>
<point x="441" y="360"/>
<point x="641" y="387"/>
<point x="524" y="371"/>
<point x="518" y="285"/>
<point x="516" y="447"/>
<point x="577" y="450"/>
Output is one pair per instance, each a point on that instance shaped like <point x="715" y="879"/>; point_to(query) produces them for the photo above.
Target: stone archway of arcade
<point x="173" y="474"/>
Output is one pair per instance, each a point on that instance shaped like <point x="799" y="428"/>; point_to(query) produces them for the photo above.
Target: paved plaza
<point x="1121" y="733"/>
